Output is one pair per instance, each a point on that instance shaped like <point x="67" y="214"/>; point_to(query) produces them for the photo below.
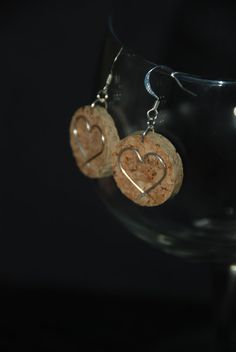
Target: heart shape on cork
<point x="143" y="160"/>
<point x="89" y="130"/>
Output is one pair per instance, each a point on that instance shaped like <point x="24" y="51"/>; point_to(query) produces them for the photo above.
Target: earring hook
<point x="173" y="75"/>
<point x="102" y="95"/>
<point x="147" y="83"/>
<point x="153" y="112"/>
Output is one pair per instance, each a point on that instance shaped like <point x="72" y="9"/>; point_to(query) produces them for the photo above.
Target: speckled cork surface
<point x="148" y="172"/>
<point x="93" y="136"/>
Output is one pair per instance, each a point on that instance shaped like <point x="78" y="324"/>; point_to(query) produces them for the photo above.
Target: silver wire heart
<point x="142" y="160"/>
<point x="90" y="128"/>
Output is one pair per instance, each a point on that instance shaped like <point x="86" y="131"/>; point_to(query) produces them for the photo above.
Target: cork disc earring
<point x="146" y="166"/>
<point x="93" y="135"/>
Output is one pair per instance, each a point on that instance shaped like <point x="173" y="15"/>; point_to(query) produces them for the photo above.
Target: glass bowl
<point x="199" y="118"/>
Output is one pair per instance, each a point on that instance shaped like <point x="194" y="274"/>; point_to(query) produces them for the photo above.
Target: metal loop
<point x="102" y="94"/>
<point x="152" y="114"/>
<point x="101" y="102"/>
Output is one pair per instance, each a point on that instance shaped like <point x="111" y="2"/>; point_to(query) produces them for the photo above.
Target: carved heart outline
<point x="90" y="128"/>
<point x="142" y="160"/>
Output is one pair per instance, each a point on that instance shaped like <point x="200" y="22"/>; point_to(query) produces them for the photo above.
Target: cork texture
<point x="93" y="136"/>
<point x="147" y="172"/>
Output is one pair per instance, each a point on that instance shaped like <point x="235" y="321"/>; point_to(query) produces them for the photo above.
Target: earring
<point x="93" y="134"/>
<point x="146" y="167"/>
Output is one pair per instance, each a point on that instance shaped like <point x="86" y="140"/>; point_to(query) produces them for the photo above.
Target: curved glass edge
<point x="183" y="76"/>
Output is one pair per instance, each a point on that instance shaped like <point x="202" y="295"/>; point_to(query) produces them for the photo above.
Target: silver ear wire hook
<point x="147" y="83"/>
<point x="153" y="112"/>
<point x="102" y="95"/>
<point x="173" y="75"/>
<point x="115" y="59"/>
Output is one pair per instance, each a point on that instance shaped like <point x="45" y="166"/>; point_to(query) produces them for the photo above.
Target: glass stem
<point x="224" y="291"/>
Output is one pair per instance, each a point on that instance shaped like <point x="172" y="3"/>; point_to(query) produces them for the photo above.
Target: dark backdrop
<point x="59" y="247"/>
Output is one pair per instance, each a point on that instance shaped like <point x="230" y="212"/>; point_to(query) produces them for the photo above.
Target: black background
<point x="69" y="272"/>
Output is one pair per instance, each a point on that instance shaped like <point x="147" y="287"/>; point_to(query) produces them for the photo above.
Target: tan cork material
<point x="93" y="136"/>
<point x="148" y="171"/>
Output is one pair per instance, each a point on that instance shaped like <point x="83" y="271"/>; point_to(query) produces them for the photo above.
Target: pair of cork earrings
<point x="145" y="165"/>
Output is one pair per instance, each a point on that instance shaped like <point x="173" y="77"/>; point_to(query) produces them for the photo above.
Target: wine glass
<point x="199" y="118"/>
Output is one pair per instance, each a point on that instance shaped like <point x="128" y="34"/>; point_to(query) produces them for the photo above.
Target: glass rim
<point x="166" y="70"/>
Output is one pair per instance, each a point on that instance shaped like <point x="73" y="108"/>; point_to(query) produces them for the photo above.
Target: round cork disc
<point x="147" y="171"/>
<point x="93" y="136"/>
